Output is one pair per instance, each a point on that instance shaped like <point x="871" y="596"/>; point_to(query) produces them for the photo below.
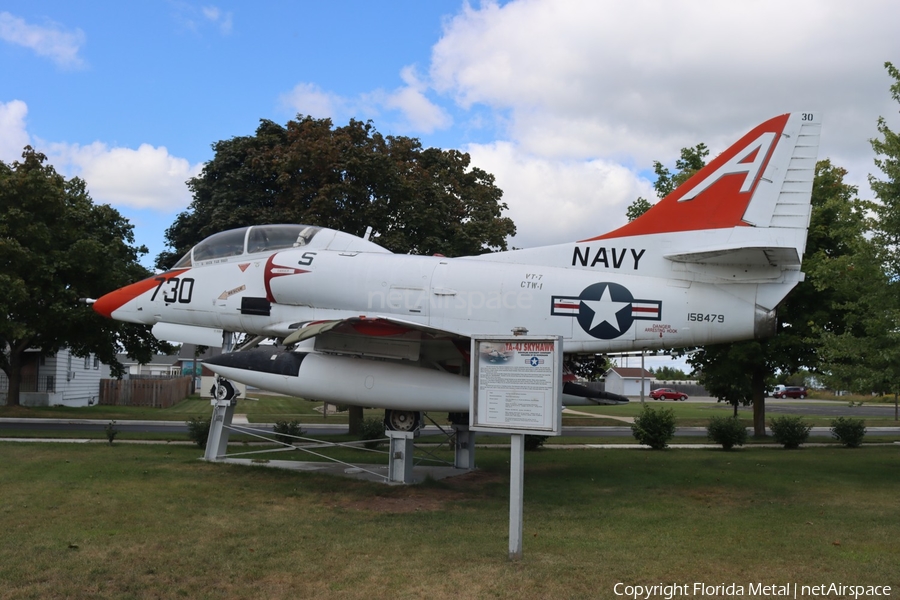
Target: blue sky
<point x="566" y="102"/>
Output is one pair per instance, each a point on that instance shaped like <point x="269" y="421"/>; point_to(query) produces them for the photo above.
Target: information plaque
<point x="516" y="385"/>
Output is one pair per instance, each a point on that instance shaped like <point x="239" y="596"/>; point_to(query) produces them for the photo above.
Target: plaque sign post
<point x="516" y="388"/>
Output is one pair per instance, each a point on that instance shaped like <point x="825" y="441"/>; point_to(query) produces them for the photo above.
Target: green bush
<point x="654" y="428"/>
<point x="198" y="430"/>
<point x="790" y="431"/>
<point x="727" y="431"/>
<point x="534" y="442"/>
<point x="848" y="431"/>
<point x="286" y="432"/>
<point x="371" y="429"/>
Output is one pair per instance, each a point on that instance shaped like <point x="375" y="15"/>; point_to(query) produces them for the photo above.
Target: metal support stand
<point x="217" y="442"/>
<point x="400" y="467"/>
<point x="464" y="447"/>
<point x="516" y="494"/>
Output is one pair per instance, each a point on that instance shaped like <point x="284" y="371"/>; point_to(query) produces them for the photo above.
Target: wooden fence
<point x="154" y="393"/>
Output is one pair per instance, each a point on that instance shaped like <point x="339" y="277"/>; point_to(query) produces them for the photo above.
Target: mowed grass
<point x="130" y="521"/>
<point x="259" y="408"/>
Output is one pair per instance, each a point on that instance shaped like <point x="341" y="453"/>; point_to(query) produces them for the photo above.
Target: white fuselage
<point x="599" y="296"/>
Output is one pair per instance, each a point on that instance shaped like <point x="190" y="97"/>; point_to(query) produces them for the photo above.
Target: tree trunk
<point x="758" y="384"/>
<point x="355" y="414"/>
<point x="15" y="372"/>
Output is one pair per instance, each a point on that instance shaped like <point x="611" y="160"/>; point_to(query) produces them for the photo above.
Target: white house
<point x="626" y="381"/>
<point x="59" y="380"/>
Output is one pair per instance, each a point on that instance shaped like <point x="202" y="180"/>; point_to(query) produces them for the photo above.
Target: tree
<point x="421" y="201"/>
<point x="887" y="191"/>
<point x="56" y="247"/>
<point x="637" y="208"/>
<point x="669" y="374"/>
<point x="864" y="356"/>
<point x="737" y="372"/>
<point x="588" y="366"/>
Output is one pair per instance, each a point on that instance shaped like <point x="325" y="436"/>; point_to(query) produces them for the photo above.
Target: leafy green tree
<point x="737" y="372"/>
<point x="420" y="201"/>
<point x="865" y="356"/>
<point x="588" y="366"/>
<point x="637" y="208"/>
<point x="670" y="374"/>
<point x="887" y="190"/>
<point x="56" y="247"/>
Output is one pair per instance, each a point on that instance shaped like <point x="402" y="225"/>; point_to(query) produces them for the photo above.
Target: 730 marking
<point x="177" y="289"/>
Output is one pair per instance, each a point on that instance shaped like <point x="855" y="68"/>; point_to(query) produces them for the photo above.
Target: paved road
<point x="172" y="427"/>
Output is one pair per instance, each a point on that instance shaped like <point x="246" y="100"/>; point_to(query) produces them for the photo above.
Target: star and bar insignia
<point x="606" y="310"/>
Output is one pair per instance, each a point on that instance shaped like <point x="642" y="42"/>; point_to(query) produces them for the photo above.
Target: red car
<point x="667" y="394"/>
<point x="791" y="392"/>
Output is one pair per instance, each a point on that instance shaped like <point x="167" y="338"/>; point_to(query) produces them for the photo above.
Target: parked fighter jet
<point x="359" y="325"/>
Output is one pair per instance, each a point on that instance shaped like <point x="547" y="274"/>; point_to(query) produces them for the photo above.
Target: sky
<point x="566" y="102"/>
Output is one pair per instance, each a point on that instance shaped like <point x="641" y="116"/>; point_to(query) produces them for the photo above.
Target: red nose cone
<point x="113" y="300"/>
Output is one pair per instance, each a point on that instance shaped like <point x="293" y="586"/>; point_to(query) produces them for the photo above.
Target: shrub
<point x="848" y="431"/>
<point x="286" y="432"/>
<point x="790" y="431"/>
<point x="371" y="429"/>
<point x="111" y="432"/>
<point x="534" y="442"/>
<point x="198" y="430"/>
<point x="654" y="428"/>
<point x="727" y="431"/>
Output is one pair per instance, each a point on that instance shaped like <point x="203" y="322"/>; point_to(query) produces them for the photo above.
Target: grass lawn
<point x="259" y="408"/>
<point x="128" y="521"/>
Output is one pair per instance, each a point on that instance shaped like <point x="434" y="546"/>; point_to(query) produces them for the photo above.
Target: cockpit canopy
<point x="266" y="238"/>
<point x="248" y="240"/>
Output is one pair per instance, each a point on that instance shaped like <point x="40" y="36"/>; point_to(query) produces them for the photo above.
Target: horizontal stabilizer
<point x="758" y="256"/>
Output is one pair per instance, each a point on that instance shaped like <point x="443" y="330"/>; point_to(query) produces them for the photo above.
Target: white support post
<point x="217" y="442"/>
<point x="464" y="447"/>
<point x="400" y="466"/>
<point x="516" y="494"/>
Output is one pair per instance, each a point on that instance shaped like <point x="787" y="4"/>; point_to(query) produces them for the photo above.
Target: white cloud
<point x="148" y="177"/>
<point x="13" y="135"/>
<point x="415" y="113"/>
<point x="224" y="20"/>
<point x="617" y="78"/>
<point x="421" y="114"/>
<point x="576" y="83"/>
<point x="52" y="41"/>
<point x="310" y="99"/>
<point x="556" y="201"/>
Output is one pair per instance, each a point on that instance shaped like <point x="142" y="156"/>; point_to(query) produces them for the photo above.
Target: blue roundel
<point x="605" y="310"/>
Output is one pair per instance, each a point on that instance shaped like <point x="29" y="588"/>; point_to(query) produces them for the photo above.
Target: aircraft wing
<point x="379" y="326"/>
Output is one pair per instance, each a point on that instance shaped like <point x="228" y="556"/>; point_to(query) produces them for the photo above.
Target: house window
<point x="96" y="363"/>
<point x="87" y="361"/>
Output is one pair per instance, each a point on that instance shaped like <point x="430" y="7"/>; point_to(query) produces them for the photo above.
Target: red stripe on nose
<point x="110" y="302"/>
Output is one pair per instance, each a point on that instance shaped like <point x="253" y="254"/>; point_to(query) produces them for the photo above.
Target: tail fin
<point x="764" y="180"/>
